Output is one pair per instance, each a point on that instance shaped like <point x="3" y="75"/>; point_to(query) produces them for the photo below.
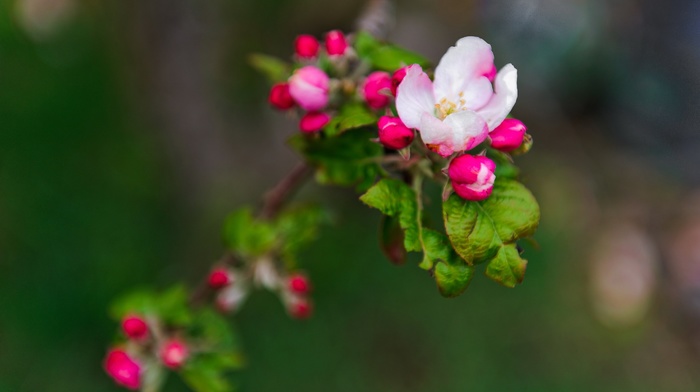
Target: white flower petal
<point x="464" y="63"/>
<point x="436" y="135"/>
<point x="503" y="100"/>
<point x="468" y="129"/>
<point x="414" y="97"/>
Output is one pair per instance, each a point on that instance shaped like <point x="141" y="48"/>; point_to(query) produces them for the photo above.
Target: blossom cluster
<point x="458" y="114"/>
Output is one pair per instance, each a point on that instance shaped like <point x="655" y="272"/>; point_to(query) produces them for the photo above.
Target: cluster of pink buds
<point x="295" y="296"/>
<point x="125" y="364"/>
<point x="229" y="288"/>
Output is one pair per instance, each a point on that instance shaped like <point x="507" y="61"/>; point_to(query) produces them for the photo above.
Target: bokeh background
<point x="128" y="129"/>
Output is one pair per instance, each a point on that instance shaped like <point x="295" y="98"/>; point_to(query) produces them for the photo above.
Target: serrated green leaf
<point x="351" y="115"/>
<point x="453" y="279"/>
<point x="480" y="231"/>
<point x="391" y="239"/>
<point x="347" y="159"/>
<point x="274" y="69"/>
<point x="394" y="198"/>
<point x="246" y="235"/>
<point x="507" y="268"/>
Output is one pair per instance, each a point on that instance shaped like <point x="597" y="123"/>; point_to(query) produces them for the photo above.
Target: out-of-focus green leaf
<point x="173" y="306"/>
<point x="347" y="159"/>
<point x="504" y="165"/>
<point x="298" y="226"/>
<point x="204" y="373"/>
<point x="383" y="56"/>
<point x="394" y="198"/>
<point x="169" y="306"/>
<point x="142" y="302"/>
<point x="246" y="235"/>
<point x="487" y="230"/>
<point x="274" y="69"/>
<point x="352" y="115"/>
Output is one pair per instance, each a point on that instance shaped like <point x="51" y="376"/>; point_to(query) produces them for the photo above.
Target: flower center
<point x="445" y="107"/>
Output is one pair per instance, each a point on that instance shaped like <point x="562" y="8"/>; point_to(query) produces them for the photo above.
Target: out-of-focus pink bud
<point x="376" y="88"/>
<point x="309" y="87"/>
<point x="509" y="135"/>
<point x="491" y="73"/>
<point x="135" y="327"/>
<point x="174" y="353"/>
<point x="280" y="97"/>
<point x="397" y="78"/>
<point x="336" y="43"/>
<point x="306" y="46"/>
<point x="313" y="121"/>
<point x="230" y="298"/>
<point x="300" y="308"/>
<point x="298" y="284"/>
<point x="220" y="277"/>
<point x="124" y="370"/>
<point x="472" y="176"/>
<point x="393" y="133"/>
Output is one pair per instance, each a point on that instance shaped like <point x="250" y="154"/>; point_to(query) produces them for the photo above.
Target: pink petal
<point x="414" y="97"/>
<point x="463" y="65"/>
<point x="504" y="99"/>
<point x="436" y="135"/>
<point x="468" y="129"/>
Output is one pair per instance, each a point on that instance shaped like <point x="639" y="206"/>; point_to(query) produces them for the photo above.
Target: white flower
<point x="457" y="111"/>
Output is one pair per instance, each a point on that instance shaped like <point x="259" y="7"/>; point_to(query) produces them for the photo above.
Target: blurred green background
<point x="128" y="129"/>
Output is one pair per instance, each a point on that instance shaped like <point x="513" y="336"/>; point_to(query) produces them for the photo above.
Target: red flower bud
<point x="134" y="327"/>
<point x="298" y="284"/>
<point x="472" y="176"/>
<point x="306" y="46"/>
<point x="300" y="308"/>
<point x="313" y="121"/>
<point x="309" y="87"/>
<point x="336" y="43"/>
<point x="376" y="88"/>
<point x="124" y="370"/>
<point x="509" y="135"/>
<point x="174" y="353"/>
<point x="397" y="78"/>
<point x="219" y="278"/>
<point x="280" y="98"/>
<point x="393" y="133"/>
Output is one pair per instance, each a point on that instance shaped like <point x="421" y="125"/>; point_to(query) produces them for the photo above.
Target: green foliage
<point x="394" y="198"/>
<point x="504" y="164"/>
<point x="352" y="115"/>
<point x="169" y="306"/>
<point x="247" y="236"/>
<point x="207" y="373"/>
<point x="486" y="231"/>
<point x="297" y="227"/>
<point x="349" y="159"/>
<point x="383" y="56"/>
<point x="275" y="70"/>
<point x="452" y="275"/>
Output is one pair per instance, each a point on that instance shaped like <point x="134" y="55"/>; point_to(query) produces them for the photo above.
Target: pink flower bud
<point x="376" y="88"/>
<point x="313" y="122"/>
<point x="491" y="73"/>
<point x="306" y="46"/>
<point x="280" y="97"/>
<point x="472" y="176"/>
<point x="393" y="133"/>
<point x="174" y="353"/>
<point x="309" y="87"/>
<point x="231" y="297"/>
<point x="219" y="278"/>
<point x="336" y="43"/>
<point x="509" y="135"/>
<point x="135" y="327"/>
<point x="397" y="78"/>
<point x="298" y="284"/>
<point x="300" y="308"/>
<point x="124" y="370"/>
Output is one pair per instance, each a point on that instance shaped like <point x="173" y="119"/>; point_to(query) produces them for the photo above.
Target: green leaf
<point x="391" y="240"/>
<point x="385" y="57"/>
<point x="452" y="274"/>
<point x="483" y="231"/>
<point x="297" y="227"/>
<point x="348" y="159"/>
<point x="173" y="307"/>
<point x="504" y="165"/>
<point x="247" y="236"/>
<point x="204" y="373"/>
<point x="394" y="198"/>
<point x="142" y="302"/>
<point x="507" y="268"/>
<point x="274" y="69"/>
<point x="351" y="115"/>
